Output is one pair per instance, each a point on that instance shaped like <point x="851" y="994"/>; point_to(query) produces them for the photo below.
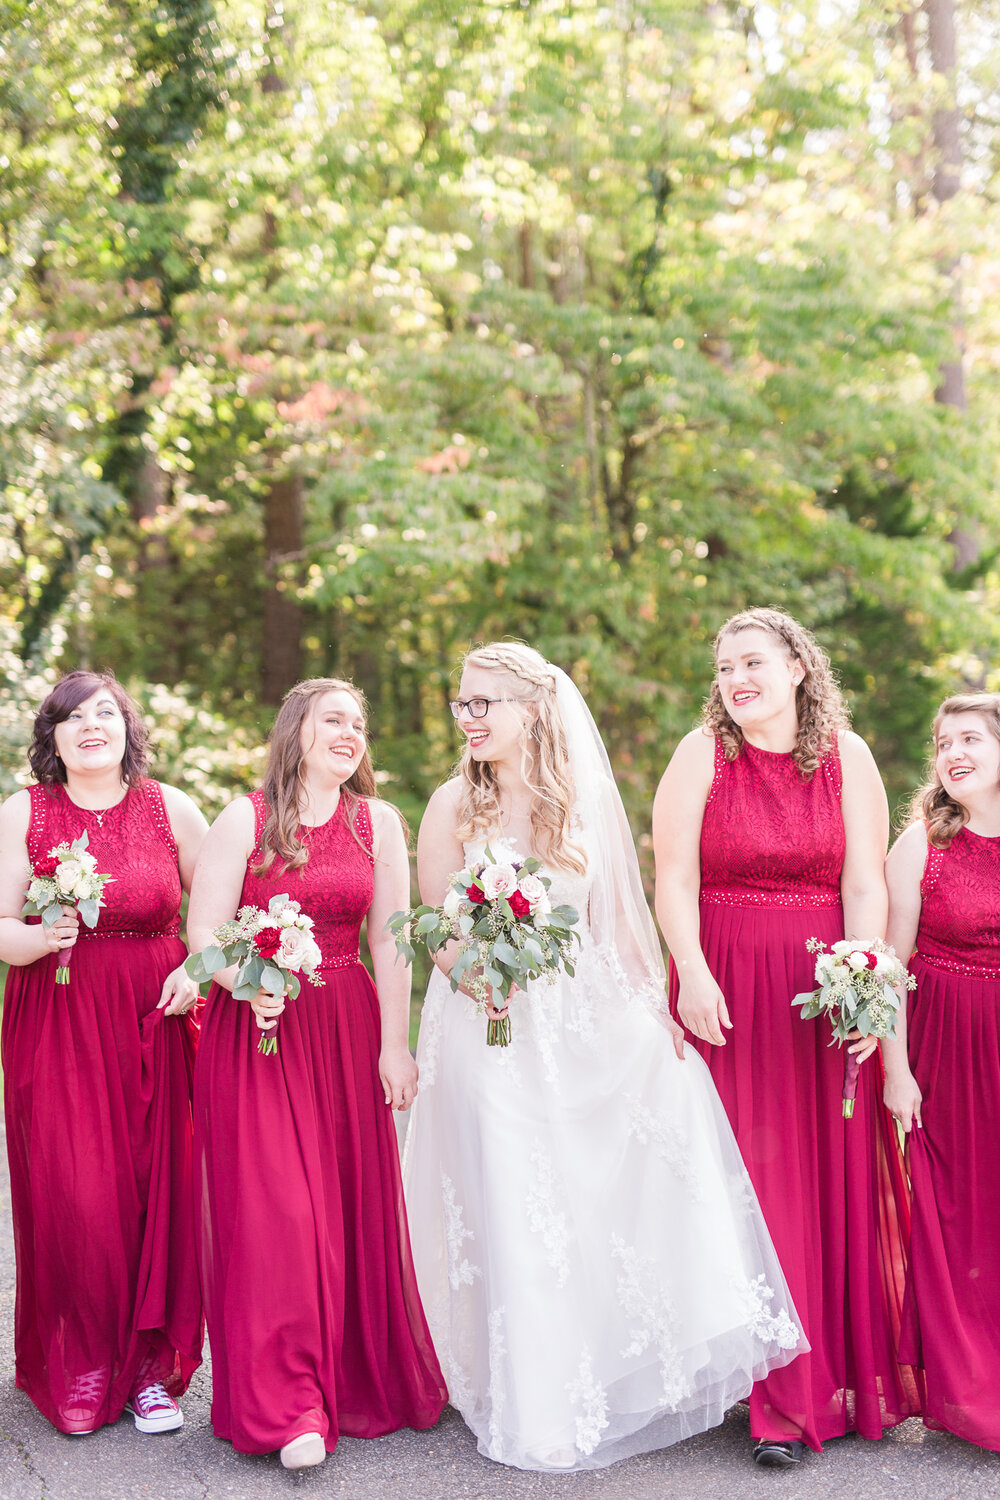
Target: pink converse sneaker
<point x="154" y="1410"/>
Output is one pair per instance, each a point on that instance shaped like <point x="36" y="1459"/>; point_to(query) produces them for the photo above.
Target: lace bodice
<point x="769" y="837"/>
<point x="132" y="842"/>
<point x="336" y="885"/>
<point x="960" y="912"/>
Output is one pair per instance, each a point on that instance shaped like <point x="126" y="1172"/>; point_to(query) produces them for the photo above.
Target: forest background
<point x="337" y="336"/>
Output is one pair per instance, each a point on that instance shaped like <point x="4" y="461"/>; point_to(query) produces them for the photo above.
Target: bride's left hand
<point x="179" y="993"/>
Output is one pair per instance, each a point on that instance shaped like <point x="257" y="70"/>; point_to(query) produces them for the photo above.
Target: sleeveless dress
<point x="97" y="1098"/>
<point x="313" y="1314"/>
<point x="596" y="1271"/>
<point x="952" y="1308"/>
<point x="772" y="850"/>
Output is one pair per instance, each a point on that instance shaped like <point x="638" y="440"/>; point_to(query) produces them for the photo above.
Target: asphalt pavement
<point x="118" y="1463"/>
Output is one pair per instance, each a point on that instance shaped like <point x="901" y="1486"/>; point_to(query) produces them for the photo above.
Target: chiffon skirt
<point x="313" y="1313"/>
<point x="97" y="1094"/>
<point x="952" y="1308"/>
<point x="832" y="1190"/>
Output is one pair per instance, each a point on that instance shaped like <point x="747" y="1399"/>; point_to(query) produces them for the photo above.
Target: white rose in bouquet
<point x="857" y="961"/>
<point x="299" y="950"/>
<point x="88" y="861"/>
<point x="498" y="880"/>
<point x="533" y="891"/>
<point x="452" y="904"/>
<point x="67" y="876"/>
<point x="885" y="963"/>
<point x="286" y="917"/>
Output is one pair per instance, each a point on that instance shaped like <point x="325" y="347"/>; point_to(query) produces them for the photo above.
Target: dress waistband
<point x="118" y="932"/>
<point x="744" y="896"/>
<point x="957" y="966"/>
<point x="341" y="961"/>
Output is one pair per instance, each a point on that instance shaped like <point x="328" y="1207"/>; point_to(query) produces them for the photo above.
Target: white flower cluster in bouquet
<point x="66" y="876"/>
<point x="507" y="929"/>
<point x="272" y="948"/>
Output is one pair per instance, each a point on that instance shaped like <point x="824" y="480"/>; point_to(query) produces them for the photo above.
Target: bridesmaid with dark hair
<point x="97" y="1076"/>
<point x="770" y="827"/>
<point x="313" y="1314"/>
<point x="943" y="1068"/>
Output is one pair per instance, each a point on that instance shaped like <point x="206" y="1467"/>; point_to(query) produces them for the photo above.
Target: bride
<point x="592" y="1260"/>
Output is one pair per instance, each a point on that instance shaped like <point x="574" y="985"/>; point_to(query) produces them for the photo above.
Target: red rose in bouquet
<point x="267" y="941"/>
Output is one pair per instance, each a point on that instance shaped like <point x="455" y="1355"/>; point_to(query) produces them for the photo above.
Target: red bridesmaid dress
<point x="97" y="1099"/>
<point x="313" y="1313"/>
<point x="833" y="1196"/>
<point x="952" y="1310"/>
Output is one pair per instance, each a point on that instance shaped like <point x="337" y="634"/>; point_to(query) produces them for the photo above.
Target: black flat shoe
<point x="771" y="1454"/>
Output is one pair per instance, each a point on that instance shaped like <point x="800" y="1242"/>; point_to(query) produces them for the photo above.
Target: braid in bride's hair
<point x="529" y="678"/>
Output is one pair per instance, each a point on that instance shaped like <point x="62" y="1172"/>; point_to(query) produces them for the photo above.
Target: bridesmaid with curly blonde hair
<point x="770" y="827"/>
<point x="943" y="1067"/>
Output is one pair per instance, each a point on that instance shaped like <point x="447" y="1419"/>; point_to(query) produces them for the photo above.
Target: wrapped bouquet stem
<point x="66" y="876"/>
<point x="857" y="987"/>
<point x="498" y="911"/>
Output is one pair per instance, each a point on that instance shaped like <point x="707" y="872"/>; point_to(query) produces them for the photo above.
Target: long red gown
<point x="772" y="850"/>
<point x="313" y="1313"/>
<point x="952" y="1310"/>
<point x="97" y="1097"/>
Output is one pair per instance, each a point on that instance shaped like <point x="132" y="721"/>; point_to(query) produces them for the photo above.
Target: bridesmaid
<point x="313" y="1314"/>
<point x="770" y="827"/>
<point x="97" y="1076"/>
<point x="944" y="901"/>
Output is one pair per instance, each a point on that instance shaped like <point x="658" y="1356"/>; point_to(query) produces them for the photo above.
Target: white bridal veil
<point x="620" y="921"/>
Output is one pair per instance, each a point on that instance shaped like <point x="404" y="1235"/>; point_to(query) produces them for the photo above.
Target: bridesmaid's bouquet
<point x="506" y="928"/>
<point x="66" y="876"/>
<point x="857" y="987"/>
<point x="272" y="949"/>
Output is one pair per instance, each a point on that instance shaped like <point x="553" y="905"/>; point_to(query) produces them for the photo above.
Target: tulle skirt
<point x="595" y="1269"/>
<point x="832" y="1190"/>
<point x="952" y="1309"/>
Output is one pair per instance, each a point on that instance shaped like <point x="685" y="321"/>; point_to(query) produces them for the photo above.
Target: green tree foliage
<point x="585" y="323"/>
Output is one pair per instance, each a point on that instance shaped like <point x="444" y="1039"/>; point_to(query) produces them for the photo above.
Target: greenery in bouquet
<point x="272" y="949"/>
<point x="66" y="876"/>
<point x="858" y="987"/>
<point x="507" y="930"/>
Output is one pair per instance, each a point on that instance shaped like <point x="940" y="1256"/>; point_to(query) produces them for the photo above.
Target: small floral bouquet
<point x="857" y="988"/>
<point x="272" y="949"/>
<point x="66" y="876"/>
<point x="507" y="932"/>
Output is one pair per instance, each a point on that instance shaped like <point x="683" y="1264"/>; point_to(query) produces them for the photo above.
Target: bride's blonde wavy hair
<point x="527" y="677"/>
<point x="822" y="712"/>
<point x="283" y="781"/>
<point x="931" y="803"/>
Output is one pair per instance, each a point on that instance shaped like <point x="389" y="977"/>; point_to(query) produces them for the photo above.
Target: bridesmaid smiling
<point x="313" y="1314"/>
<point x="98" y="1076"/>
<point x="770" y="827"/>
<point x="943" y="1068"/>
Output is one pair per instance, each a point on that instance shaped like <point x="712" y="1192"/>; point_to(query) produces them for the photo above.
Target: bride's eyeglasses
<point x="476" y="708"/>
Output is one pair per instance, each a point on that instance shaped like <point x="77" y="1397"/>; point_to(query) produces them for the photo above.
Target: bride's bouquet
<point x="66" y="876"/>
<point x="272" y="949"/>
<point x="857" y="986"/>
<point x="507" y="932"/>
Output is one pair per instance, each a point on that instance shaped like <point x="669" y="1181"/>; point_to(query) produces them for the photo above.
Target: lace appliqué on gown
<point x="584" y="1268"/>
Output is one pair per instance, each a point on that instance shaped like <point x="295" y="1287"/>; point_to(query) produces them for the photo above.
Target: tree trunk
<point x="281" y="660"/>
<point x="945" y="184"/>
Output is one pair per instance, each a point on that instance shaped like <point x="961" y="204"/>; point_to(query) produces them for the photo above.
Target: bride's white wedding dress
<point x="591" y="1256"/>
